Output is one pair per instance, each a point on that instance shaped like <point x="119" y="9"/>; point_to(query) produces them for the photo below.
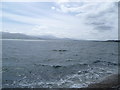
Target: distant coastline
<point x="109" y="41"/>
<point x="22" y="40"/>
<point x="113" y="41"/>
<point x="20" y="36"/>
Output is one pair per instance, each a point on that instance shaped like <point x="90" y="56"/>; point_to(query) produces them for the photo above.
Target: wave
<point x="109" y="63"/>
<point x="78" y="64"/>
<point x="78" y="80"/>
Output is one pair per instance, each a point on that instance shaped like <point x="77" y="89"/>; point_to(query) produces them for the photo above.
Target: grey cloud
<point x="95" y="23"/>
<point x="103" y="28"/>
<point x="101" y="20"/>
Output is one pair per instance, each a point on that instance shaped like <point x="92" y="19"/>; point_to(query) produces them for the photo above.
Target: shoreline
<point x="111" y="81"/>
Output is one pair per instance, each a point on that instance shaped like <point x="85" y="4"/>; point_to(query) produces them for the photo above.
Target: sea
<point x="57" y="63"/>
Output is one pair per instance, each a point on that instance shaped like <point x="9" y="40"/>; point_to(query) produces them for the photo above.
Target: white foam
<point x="78" y="80"/>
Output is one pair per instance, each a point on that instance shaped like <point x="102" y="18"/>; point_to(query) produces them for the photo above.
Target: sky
<point x="77" y="20"/>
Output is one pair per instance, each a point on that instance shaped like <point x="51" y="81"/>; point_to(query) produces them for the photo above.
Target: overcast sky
<point x="78" y="20"/>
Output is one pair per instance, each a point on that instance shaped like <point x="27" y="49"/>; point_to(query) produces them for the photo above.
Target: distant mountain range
<point x="7" y="35"/>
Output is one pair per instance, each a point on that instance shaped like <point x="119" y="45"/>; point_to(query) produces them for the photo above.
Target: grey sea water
<point x="57" y="63"/>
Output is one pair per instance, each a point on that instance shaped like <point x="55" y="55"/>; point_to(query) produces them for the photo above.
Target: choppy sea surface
<point x="57" y="63"/>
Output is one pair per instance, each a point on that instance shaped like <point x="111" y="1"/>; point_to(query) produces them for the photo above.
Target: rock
<point x="57" y="66"/>
<point x="108" y="82"/>
<point x="97" y="61"/>
<point x="60" y="50"/>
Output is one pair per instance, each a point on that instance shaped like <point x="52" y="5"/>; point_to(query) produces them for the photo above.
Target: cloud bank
<point x="77" y="20"/>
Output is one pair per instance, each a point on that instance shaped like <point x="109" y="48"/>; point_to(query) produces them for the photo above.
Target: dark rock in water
<point x="60" y="50"/>
<point x="112" y="53"/>
<point x="6" y="80"/>
<point x="30" y="71"/>
<point x="85" y="71"/>
<point x="76" y="55"/>
<point x="57" y="66"/>
<point x="81" y="72"/>
<point x="85" y="64"/>
<point x="43" y="65"/>
<point x="97" y="61"/>
<point x="110" y="63"/>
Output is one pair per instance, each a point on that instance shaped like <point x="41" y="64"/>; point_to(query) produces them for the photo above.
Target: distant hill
<point x="109" y="41"/>
<point x="7" y="35"/>
<point x="113" y="41"/>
